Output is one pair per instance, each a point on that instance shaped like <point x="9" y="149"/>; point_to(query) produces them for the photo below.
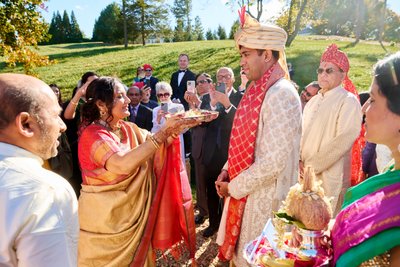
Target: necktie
<point x="182" y="71"/>
<point x="133" y="114"/>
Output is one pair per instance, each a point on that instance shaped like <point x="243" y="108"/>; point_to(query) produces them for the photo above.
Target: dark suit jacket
<point x="153" y="82"/>
<point x="179" y="91"/>
<point x="199" y="132"/>
<point x="144" y="117"/>
<point x="218" y="132"/>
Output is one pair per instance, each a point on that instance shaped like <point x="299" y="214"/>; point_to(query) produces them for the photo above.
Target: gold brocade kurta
<point x="267" y="181"/>
<point x="331" y="124"/>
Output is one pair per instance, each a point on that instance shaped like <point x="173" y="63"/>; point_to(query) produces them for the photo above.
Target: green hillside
<point x="74" y="59"/>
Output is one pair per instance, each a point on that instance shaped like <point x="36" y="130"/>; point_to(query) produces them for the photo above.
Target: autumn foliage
<point x="21" y="29"/>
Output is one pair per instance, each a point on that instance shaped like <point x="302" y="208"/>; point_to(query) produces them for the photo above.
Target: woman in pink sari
<point x="119" y="205"/>
<point x="368" y="225"/>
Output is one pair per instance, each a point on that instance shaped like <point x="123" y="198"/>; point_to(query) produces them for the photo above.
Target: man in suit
<point x="150" y="81"/>
<point x="140" y="114"/>
<point x="179" y="86"/>
<point x="216" y="142"/>
<point x="179" y="80"/>
<point x="200" y="99"/>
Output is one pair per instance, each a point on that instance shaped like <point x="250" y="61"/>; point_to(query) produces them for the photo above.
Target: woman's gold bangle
<point x="155" y="143"/>
<point x="73" y="103"/>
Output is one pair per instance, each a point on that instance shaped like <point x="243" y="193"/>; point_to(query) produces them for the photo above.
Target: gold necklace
<point x="117" y="130"/>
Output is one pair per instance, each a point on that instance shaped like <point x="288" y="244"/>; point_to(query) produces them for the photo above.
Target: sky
<point x="211" y="12"/>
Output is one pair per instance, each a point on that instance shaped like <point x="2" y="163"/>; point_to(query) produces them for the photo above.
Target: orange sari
<point x="122" y="217"/>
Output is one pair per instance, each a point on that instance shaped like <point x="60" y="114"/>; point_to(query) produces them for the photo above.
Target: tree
<point x="360" y="20"/>
<point x="181" y="10"/>
<point x="221" y="33"/>
<point x="54" y="29"/>
<point x="76" y="34"/>
<point x="209" y="35"/>
<point x="198" y="31"/>
<point x="179" y="34"/>
<point x="22" y="26"/>
<point x="124" y="15"/>
<point x="293" y="34"/>
<point x="66" y="28"/>
<point x="381" y="26"/>
<point x="107" y="28"/>
<point x="234" y="28"/>
<point x="151" y="17"/>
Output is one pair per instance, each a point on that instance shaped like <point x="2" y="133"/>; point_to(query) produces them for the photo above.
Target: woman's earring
<point x="102" y="113"/>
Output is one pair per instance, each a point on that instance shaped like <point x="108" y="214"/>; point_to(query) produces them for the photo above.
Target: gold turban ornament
<point x="252" y="34"/>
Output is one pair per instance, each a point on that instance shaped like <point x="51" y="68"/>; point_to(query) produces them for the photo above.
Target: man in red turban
<point x="150" y="81"/>
<point x="331" y="124"/>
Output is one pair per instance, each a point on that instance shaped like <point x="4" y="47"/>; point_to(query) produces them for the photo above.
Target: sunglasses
<point x="307" y="93"/>
<point x="163" y="95"/>
<point x="148" y="70"/>
<point x="328" y="71"/>
<point x="204" y="81"/>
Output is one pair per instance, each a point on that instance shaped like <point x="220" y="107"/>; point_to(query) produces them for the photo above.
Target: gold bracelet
<point x="160" y="137"/>
<point x="155" y="143"/>
<point x="73" y="103"/>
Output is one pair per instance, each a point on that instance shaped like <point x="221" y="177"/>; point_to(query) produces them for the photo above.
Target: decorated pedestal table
<point x="306" y="213"/>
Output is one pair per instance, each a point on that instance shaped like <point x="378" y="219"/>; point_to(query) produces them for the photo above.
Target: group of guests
<point x="134" y="192"/>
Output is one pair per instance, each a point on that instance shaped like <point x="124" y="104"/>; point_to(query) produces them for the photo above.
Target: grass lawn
<point x="205" y="56"/>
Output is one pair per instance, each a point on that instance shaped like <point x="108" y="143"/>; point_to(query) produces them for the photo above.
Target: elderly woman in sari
<point x="369" y="224"/>
<point x="164" y="93"/>
<point x="120" y="196"/>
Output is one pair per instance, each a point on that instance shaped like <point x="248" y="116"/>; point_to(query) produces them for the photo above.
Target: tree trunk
<point x="382" y="25"/>
<point x="293" y="35"/>
<point x="142" y="27"/>
<point x="259" y="9"/>
<point x="289" y="24"/>
<point x="125" y="26"/>
<point x="359" y="29"/>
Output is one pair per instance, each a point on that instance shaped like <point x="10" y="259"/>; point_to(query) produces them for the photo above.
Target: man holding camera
<point x="150" y="81"/>
<point x="265" y="140"/>
<point x="225" y="99"/>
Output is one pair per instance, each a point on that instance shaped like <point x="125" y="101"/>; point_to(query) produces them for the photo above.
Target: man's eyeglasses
<point x="163" y="95"/>
<point x="148" y="70"/>
<point x="203" y="81"/>
<point x="221" y="77"/>
<point x="328" y="71"/>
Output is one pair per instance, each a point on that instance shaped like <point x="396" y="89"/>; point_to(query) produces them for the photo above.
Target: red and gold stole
<point x="171" y="219"/>
<point x="241" y="150"/>
<point x="356" y="160"/>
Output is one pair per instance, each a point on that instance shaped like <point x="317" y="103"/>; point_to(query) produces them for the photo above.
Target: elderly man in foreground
<point x="38" y="208"/>
<point x="331" y="124"/>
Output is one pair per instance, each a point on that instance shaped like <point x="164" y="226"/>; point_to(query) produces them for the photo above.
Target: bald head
<point x="29" y="115"/>
<point x="20" y="93"/>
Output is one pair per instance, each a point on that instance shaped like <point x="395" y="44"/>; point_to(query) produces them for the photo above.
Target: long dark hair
<point x="86" y="76"/>
<point x="99" y="89"/>
<point x="387" y="76"/>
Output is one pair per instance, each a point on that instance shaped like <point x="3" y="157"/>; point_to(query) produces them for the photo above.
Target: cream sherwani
<point x="267" y="181"/>
<point x="331" y="124"/>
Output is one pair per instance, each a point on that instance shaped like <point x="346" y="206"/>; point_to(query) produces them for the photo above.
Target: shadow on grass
<point x="92" y="50"/>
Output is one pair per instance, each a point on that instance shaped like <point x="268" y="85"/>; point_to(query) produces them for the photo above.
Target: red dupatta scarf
<point x="241" y="151"/>
<point x="171" y="221"/>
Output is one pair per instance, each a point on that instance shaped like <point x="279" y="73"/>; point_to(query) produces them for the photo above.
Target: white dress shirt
<point x="180" y="76"/>
<point x="38" y="213"/>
